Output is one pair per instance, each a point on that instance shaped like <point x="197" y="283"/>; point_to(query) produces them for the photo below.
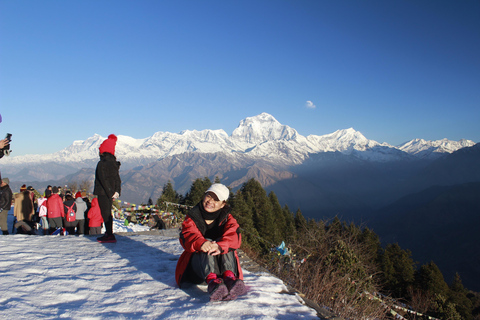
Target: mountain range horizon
<point x="257" y="141"/>
<point x="253" y="130"/>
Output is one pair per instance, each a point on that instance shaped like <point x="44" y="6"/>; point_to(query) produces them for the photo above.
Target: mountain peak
<point x="262" y="128"/>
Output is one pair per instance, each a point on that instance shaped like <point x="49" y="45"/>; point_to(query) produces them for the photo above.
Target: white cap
<point x="220" y="191"/>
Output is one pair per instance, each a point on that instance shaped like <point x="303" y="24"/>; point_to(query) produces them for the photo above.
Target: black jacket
<point x="107" y="177"/>
<point x="6" y="196"/>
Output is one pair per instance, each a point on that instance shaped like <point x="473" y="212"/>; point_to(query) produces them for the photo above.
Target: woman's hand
<point x="211" y="248"/>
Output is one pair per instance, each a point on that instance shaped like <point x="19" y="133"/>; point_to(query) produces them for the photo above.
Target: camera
<point x="5" y="151"/>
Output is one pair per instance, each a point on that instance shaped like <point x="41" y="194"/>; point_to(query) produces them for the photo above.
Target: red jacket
<point x="55" y="207"/>
<point x="191" y="239"/>
<point x="95" y="215"/>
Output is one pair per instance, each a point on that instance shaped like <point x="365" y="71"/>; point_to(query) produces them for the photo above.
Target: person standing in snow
<point x="23" y="211"/>
<point x="55" y="210"/>
<point x="6" y="196"/>
<point x="48" y="191"/>
<point x="107" y="185"/>
<point x="42" y="212"/>
<point x="95" y="219"/>
<point x="80" y="213"/>
<point x="89" y="204"/>
<point x="210" y="236"/>
<point x="69" y="203"/>
<point x="35" y="218"/>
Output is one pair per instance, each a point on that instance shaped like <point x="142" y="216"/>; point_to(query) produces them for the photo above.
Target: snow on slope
<point x="75" y="277"/>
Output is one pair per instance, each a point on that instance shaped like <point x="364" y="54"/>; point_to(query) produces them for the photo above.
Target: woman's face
<point x="211" y="202"/>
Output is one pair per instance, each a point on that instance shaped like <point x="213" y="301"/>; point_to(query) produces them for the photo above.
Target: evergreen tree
<point x="398" y="270"/>
<point x="300" y="221"/>
<point x="430" y="279"/>
<point x="244" y="216"/>
<point x="278" y="218"/>
<point x="197" y="191"/>
<point x="372" y="244"/>
<point x="256" y="198"/>
<point x="336" y="227"/>
<point x="289" y="232"/>
<point x="458" y="295"/>
<point x="168" y="195"/>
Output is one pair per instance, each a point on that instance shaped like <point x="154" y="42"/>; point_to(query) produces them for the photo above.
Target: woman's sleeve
<point x="231" y="239"/>
<point x="191" y="238"/>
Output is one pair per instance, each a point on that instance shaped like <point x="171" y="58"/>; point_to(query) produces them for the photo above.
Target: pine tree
<point x="243" y="214"/>
<point x="336" y="227"/>
<point x="430" y="279"/>
<point x="197" y="191"/>
<point x="256" y="198"/>
<point x="398" y="270"/>
<point x="278" y="218"/>
<point x="372" y="244"/>
<point x="300" y="221"/>
<point x="289" y="232"/>
<point x="458" y="295"/>
<point x="168" y="195"/>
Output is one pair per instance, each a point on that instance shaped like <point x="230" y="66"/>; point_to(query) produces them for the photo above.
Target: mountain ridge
<point x="260" y="137"/>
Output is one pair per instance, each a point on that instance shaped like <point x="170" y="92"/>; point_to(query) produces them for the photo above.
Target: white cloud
<point x="309" y="104"/>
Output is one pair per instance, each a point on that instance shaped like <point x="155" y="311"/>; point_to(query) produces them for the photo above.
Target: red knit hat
<point x="109" y="144"/>
<point x="78" y="195"/>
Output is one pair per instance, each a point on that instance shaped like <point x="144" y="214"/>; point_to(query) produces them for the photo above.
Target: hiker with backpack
<point x="210" y="236"/>
<point x="80" y="212"/>
<point x="70" y="213"/>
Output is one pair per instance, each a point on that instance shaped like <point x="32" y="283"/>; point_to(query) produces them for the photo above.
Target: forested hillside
<point x="339" y="265"/>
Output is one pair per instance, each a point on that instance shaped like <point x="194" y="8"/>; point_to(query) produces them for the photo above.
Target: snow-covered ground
<point x="75" y="277"/>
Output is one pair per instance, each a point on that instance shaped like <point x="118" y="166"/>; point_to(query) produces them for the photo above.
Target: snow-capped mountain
<point x="342" y="173"/>
<point x="260" y="137"/>
<point x="433" y="149"/>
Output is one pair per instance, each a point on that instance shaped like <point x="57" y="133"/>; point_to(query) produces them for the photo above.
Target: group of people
<point x="210" y="235"/>
<point x="66" y="213"/>
<point x="49" y="211"/>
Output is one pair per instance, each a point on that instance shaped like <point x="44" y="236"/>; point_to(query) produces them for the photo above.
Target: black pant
<point x="105" y="203"/>
<point x="202" y="264"/>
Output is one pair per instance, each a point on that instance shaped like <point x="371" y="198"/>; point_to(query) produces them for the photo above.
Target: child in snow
<point x="42" y="213"/>
<point x="95" y="219"/>
<point x="210" y="236"/>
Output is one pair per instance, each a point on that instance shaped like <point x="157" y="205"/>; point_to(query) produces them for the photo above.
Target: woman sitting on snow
<point x="210" y="236"/>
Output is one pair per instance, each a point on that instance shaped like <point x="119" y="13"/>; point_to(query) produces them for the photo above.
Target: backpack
<point x="71" y="214"/>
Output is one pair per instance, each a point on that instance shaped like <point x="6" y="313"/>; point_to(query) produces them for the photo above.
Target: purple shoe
<point x="217" y="289"/>
<point x="236" y="287"/>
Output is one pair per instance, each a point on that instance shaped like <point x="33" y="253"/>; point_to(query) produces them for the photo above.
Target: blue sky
<point x="393" y="70"/>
